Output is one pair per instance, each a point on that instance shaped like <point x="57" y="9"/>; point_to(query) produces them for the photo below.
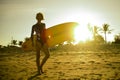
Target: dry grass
<point x="81" y="62"/>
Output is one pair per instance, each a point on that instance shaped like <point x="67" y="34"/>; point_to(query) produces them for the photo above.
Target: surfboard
<point x="56" y="34"/>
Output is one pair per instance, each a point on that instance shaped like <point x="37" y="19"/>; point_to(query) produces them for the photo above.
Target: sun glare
<point x="82" y="33"/>
<point x="85" y="19"/>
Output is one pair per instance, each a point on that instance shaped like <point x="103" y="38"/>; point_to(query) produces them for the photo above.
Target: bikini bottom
<point x="41" y="41"/>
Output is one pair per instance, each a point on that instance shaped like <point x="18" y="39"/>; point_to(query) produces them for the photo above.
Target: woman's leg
<point x="47" y="55"/>
<point x="38" y="47"/>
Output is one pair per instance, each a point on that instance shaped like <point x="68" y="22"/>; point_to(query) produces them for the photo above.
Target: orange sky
<point x="18" y="16"/>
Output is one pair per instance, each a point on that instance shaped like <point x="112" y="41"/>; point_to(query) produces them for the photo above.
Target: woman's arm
<point x="32" y="32"/>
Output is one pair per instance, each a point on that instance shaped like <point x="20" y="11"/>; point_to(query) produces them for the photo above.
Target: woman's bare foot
<point x="41" y="70"/>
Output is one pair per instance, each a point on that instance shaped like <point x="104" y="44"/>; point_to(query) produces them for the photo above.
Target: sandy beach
<point x="63" y="64"/>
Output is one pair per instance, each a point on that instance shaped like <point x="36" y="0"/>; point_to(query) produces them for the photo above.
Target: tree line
<point x="96" y="36"/>
<point x="106" y="30"/>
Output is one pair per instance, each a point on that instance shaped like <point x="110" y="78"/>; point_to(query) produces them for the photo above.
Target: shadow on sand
<point x="34" y="76"/>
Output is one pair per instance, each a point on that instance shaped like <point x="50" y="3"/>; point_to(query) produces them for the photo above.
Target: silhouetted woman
<point x="41" y="44"/>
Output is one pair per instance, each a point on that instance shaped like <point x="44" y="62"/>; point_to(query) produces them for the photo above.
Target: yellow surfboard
<point x="56" y="34"/>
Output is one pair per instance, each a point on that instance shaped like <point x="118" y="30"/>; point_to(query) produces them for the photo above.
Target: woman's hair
<point x="39" y="16"/>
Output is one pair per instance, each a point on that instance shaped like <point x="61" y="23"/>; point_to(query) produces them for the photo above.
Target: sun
<point x="82" y="33"/>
